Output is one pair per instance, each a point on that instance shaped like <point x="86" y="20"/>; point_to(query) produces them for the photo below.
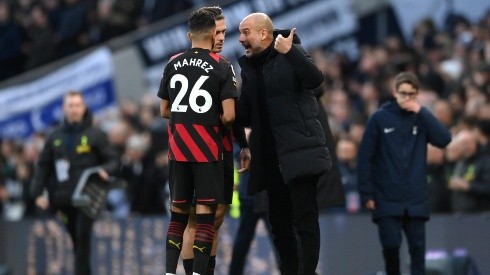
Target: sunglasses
<point x="408" y="94"/>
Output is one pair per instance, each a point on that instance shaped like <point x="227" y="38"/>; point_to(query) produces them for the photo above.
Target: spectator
<point x="42" y="49"/>
<point x="347" y="156"/>
<point x="482" y="133"/>
<point x="53" y="8"/>
<point x="439" y="194"/>
<point x="73" y="27"/>
<point x="124" y="16"/>
<point x="137" y="171"/>
<point x="470" y="178"/>
<point x="118" y="136"/>
<point x="166" y="8"/>
<point x="10" y="43"/>
<point x="443" y="112"/>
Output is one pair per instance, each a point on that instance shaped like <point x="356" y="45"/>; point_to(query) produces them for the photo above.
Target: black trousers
<point x="293" y="213"/>
<point x="79" y="226"/>
<point x="390" y="234"/>
<point x="245" y="234"/>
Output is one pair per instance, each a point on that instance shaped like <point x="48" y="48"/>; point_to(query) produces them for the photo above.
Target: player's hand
<point x="42" y="202"/>
<point x="370" y="204"/>
<point x="103" y="175"/>
<point x="412" y="106"/>
<point x="283" y="44"/>
<point x="245" y="157"/>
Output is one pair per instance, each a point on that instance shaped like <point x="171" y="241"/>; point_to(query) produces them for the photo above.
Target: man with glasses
<point x="392" y="171"/>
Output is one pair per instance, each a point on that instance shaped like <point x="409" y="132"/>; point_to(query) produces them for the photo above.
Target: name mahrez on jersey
<point x="197" y="62"/>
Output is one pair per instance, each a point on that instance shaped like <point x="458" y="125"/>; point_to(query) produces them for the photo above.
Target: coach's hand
<point x="371" y="205"/>
<point x="283" y="44"/>
<point x="103" y="175"/>
<point x="245" y="157"/>
<point x="42" y="202"/>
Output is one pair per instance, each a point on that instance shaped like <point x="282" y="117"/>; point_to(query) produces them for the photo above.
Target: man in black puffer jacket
<point x="287" y="143"/>
<point x="73" y="147"/>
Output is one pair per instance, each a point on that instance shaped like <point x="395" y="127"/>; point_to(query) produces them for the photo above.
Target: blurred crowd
<point x="453" y="64"/>
<point x="138" y="134"/>
<point x="36" y="32"/>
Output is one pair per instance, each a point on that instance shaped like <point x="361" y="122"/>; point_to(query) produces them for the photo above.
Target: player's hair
<point x="407" y="77"/>
<point x="72" y="93"/>
<point x="201" y="23"/>
<point x="216" y="11"/>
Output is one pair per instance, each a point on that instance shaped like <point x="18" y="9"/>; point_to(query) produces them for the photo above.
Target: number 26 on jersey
<point x="195" y="92"/>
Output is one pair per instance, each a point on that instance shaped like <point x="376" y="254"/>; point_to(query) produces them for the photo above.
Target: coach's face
<point x="74" y="108"/>
<point x="219" y="39"/>
<point x="252" y="37"/>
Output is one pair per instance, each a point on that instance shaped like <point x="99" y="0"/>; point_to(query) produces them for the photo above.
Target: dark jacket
<point x="330" y="188"/>
<point x="392" y="166"/>
<point x="83" y="146"/>
<point x="476" y="170"/>
<point x="292" y="111"/>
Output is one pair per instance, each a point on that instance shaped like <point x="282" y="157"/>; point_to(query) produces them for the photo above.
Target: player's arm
<point x="228" y="111"/>
<point x="228" y="95"/>
<point x="163" y="94"/>
<point x="165" y="108"/>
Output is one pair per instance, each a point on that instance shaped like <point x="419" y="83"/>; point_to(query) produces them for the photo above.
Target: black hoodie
<point x="82" y="146"/>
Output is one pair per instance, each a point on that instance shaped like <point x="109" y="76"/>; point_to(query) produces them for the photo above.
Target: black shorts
<point x="228" y="176"/>
<point x="204" y="180"/>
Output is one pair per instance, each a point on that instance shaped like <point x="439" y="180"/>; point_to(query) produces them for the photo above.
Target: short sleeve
<point x="229" y="89"/>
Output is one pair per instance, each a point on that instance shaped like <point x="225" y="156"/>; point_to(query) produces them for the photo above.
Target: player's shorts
<point x="228" y="176"/>
<point x="204" y="180"/>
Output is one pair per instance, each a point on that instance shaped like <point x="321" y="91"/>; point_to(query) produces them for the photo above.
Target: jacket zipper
<point x="304" y="120"/>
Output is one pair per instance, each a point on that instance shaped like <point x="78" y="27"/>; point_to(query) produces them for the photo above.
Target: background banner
<point x="321" y="22"/>
<point x="36" y="106"/>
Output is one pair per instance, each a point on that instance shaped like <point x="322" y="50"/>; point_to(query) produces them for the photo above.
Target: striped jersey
<point x="195" y="83"/>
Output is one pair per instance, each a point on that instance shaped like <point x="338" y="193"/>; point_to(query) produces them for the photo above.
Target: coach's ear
<point x="189" y="36"/>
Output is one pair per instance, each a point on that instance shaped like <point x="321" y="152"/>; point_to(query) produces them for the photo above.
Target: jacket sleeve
<point x="43" y="170"/>
<point x="367" y="151"/>
<point x="311" y="77"/>
<point x="106" y="154"/>
<point x="243" y="112"/>
<point x="437" y="134"/>
<point x="239" y="134"/>
<point x="318" y="92"/>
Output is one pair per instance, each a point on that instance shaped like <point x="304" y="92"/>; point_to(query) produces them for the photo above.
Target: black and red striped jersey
<point x="195" y="83"/>
<point x="228" y="140"/>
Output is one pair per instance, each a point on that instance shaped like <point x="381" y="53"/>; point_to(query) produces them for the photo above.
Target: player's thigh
<point x="208" y="182"/>
<point x="181" y="182"/>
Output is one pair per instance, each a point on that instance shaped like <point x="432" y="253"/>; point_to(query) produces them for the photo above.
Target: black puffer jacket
<point x="292" y="111"/>
<point x="83" y="146"/>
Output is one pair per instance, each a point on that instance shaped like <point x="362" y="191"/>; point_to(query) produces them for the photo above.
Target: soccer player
<point x="238" y="134"/>
<point x="198" y="93"/>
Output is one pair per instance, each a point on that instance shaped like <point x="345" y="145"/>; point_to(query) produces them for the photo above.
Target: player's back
<point x="194" y="86"/>
<point x="195" y="83"/>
